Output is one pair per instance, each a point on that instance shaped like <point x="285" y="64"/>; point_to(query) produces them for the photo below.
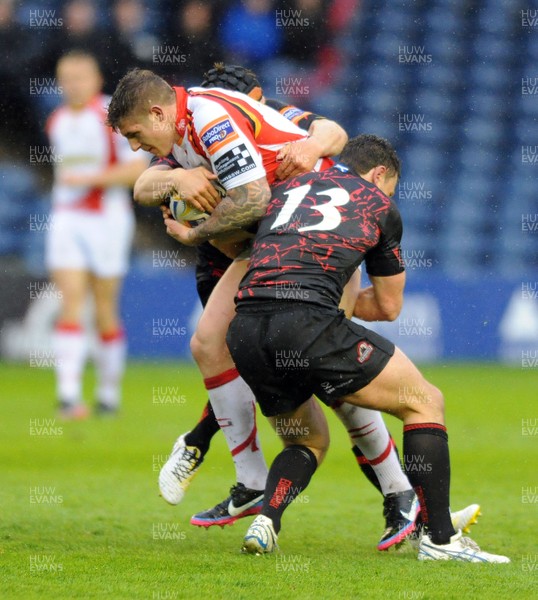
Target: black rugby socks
<point x="289" y="475"/>
<point x="204" y="431"/>
<point x="427" y="465"/>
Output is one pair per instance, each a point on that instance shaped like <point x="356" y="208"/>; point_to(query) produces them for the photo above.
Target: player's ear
<point x="156" y="112"/>
<point x="379" y="173"/>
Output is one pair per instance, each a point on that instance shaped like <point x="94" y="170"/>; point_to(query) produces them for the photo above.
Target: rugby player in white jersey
<point x="238" y="140"/>
<point x="89" y="241"/>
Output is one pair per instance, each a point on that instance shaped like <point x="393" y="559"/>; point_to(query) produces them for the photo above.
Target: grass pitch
<point x="81" y="516"/>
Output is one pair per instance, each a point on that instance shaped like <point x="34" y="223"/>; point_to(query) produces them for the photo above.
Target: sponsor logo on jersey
<point x="341" y="168"/>
<point x="218" y="133"/>
<point x="233" y="163"/>
<point x="364" y="351"/>
<point x="293" y="113"/>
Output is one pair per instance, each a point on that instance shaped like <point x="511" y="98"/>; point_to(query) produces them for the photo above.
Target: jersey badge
<point x="217" y="134"/>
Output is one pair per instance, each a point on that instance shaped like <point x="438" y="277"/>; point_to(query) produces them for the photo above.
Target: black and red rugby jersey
<point x="317" y="229"/>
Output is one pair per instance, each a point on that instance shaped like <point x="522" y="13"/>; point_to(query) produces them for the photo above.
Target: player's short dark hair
<point x="231" y="77"/>
<point x="367" y="151"/>
<point x="137" y="91"/>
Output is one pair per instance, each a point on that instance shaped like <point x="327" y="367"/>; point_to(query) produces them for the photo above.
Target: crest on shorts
<point x="364" y="351"/>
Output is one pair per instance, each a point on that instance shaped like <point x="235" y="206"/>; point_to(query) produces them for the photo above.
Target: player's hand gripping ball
<point x="182" y="211"/>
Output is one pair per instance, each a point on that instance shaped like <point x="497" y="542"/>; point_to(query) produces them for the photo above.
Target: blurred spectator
<point x="249" y="32"/>
<point x="18" y="48"/>
<point x="303" y="23"/>
<point x="129" y="43"/>
<point x="79" y="31"/>
<point x="191" y="46"/>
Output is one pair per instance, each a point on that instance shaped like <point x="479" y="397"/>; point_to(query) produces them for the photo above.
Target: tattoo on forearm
<point x="242" y="206"/>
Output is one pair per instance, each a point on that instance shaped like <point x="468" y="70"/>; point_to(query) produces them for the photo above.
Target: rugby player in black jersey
<point x="318" y="228"/>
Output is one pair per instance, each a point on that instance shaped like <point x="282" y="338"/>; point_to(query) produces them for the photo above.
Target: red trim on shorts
<point x="64" y="327"/>
<point x="424" y="426"/>
<point x="112" y="336"/>
<point x="250" y="441"/>
<point x="214" y="382"/>
<point x="362" y="460"/>
<point x="383" y="456"/>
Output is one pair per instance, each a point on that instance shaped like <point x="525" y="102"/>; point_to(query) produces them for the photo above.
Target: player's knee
<point x="319" y="445"/>
<point x="205" y="348"/>
<point x="320" y="453"/>
<point x="437" y="401"/>
<point x="196" y="347"/>
<point x="201" y="348"/>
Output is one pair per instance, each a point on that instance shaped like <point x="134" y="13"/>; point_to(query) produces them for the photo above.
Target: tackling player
<point x="187" y="456"/>
<point x="88" y="244"/>
<point x="317" y="229"/>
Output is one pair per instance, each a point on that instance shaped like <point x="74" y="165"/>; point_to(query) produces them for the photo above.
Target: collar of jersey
<point x="181" y="111"/>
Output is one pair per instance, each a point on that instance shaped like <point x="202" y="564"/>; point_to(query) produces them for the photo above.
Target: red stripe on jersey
<point x="193" y="136"/>
<point x="253" y="124"/>
<point x="53" y="118"/>
<point x="181" y="111"/>
<point x="93" y="200"/>
<point x="221" y="379"/>
<point x="247" y="112"/>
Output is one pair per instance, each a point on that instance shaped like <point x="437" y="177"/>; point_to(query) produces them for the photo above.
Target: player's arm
<point x="160" y="181"/>
<point x="243" y="206"/>
<point x="120" y="174"/>
<point x="383" y="300"/>
<point x="326" y="138"/>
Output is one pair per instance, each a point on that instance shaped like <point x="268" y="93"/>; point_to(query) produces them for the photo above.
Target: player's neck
<point x="82" y="105"/>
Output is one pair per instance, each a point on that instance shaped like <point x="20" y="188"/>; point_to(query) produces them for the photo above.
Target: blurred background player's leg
<point x="70" y="341"/>
<point x="111" y="352"/>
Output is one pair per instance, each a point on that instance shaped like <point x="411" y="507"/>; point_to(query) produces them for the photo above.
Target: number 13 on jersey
<point x="331" y="215"/>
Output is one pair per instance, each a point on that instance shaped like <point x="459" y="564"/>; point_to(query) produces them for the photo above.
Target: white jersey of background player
<point x="89" y="242"/>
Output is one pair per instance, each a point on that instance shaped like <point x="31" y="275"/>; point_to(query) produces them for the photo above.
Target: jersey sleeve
<point x="164" y="161"/>
<point x="229" y="145"/>
<point x="385" y="258"/>
<point x="301" y="118"/>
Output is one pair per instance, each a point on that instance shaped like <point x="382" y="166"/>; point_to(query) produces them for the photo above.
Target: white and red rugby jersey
<point x="231" y="134"/>
<point x="81" y="144"/>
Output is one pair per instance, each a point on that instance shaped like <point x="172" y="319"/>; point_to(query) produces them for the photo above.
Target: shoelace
<point x="235" y="490"/>
<point x="469" y="543"/>
<point x="185" y="466"/>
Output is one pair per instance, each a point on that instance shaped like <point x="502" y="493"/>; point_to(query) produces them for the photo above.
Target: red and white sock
<point x="70" y="351"/>
<point x="110" y="365"/>
<point x="368" y="431"/>
<point x="234" y="406"/>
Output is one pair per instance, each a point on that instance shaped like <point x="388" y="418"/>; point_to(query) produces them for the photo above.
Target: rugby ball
<point x="183" y="211"/>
